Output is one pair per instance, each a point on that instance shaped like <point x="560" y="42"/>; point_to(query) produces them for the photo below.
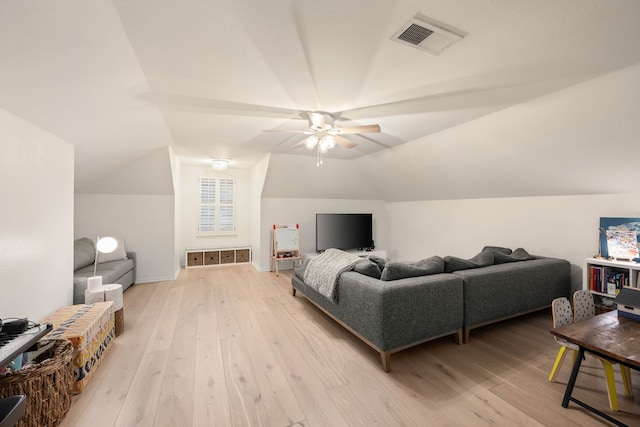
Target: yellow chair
<point x="563" y="315"/>
<point x="584" y="308"/>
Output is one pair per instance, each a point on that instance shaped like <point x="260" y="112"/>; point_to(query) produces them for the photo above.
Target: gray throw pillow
<point x="83" y="253"/>
<point x="298" y="270"/>
<point x="378" y="260"/>
<point x="522" y="255"/>
<point x="400" y="270"/>
<point x="505" y="251"/>
<point x="452" y="263"/>
<point x="368" y="268"/>
<point x="433" y="265"/>
<point x="482" y="259"/>
<point x="517" y="255"/>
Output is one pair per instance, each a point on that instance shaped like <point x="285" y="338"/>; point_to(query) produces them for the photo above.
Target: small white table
<point x="110" y="292"/>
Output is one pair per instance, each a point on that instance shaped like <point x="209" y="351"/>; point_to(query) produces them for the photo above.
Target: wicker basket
<point x="48" y="385"/>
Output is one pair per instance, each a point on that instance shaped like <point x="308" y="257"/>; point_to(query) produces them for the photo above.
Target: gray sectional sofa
<point x="395" y="314"/>
<point x="498" y="292"/>
<point x="119" y="267"/>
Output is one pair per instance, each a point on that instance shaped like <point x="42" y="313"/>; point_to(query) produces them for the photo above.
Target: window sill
<point x="208" y="236"/>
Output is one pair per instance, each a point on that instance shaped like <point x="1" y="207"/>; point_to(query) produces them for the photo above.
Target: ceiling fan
<point x="324" y="134"/>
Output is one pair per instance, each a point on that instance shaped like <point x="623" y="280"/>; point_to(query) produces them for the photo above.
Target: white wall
<point x="303" y="212"/>
<point x="36" y="220"/>
<point x="190" y="208"/>
<point x="258" y="174"/>
<point x="556" y="226"/>
<point x="177" y="209"/>
<point x="145" y="222"/>
<point x="298" y="177"/>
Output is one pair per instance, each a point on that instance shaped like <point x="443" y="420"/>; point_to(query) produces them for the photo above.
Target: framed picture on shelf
<point x="619" y="238"/>
<point x="622" y="244"/>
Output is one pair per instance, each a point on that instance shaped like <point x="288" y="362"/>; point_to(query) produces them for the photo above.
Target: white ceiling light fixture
<point x="322" y="140"/>
<point x="220" y="164"/>
<point x="325" y="135"/>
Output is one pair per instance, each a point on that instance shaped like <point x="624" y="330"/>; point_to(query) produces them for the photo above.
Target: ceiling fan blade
<point x="316" y="119"/>
<point x="286" y="130"/>
<point x="344" y="142"/>
<point x="355" y="129"/>
<point x="463" y="99"/>
<point x="303" y="142"/>
<point x="219" y="106"/>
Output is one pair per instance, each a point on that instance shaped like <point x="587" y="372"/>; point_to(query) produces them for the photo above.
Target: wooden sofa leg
<point x="467" y="333"/>
<point x="458" y="337"/>
<point x="385" y="358"/>
<point x="293" y="290"/>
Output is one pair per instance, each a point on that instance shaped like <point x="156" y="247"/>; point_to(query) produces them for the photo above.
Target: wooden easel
<point x="285" y="244"/>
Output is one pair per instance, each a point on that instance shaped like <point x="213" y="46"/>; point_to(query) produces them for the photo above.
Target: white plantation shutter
<point x="208" y="204"/>
<point x="226" y="205"/>
<point x="217" y="206"/>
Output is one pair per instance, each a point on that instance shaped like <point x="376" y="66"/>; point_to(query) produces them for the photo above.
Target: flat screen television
<point x="344" y="231"/>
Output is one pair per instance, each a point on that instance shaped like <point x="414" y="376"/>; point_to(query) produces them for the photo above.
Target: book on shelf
<point x="607" y="280"/>
<point x="595" y="279"/>
<point x="616" y="279"/>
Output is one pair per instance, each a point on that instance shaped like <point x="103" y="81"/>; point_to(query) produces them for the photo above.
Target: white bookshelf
<point x="603" y="266"/>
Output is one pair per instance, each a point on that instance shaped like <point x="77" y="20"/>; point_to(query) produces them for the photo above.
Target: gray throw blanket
<point x="322" y="273"/>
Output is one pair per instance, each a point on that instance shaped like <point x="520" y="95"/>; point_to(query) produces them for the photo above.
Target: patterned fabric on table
<point x="91" y="329"/>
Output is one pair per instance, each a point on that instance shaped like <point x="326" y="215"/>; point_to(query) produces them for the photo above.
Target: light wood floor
<point x="230" y="346"/>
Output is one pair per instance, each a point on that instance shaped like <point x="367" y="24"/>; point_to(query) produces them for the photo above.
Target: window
<point x="217" y="207"/>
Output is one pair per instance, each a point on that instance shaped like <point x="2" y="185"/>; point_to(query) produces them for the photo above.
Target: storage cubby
<point x="194" y="259"/>
<point x="208" y="257"/>
<point x="211" y="257"/>
<point x="227" y="257"/>
<point x="243" y="255"/>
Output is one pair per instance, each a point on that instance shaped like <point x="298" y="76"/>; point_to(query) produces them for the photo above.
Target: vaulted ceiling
<point x="121" y="78"/>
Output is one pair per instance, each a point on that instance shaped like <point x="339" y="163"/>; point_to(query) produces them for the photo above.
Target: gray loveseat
<point x="392" y="315"/>
<point x="121" y="270"/>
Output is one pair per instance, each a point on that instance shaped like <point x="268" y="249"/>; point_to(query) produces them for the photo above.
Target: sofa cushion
<point x="110" y="271"/>
<point x="425" y="267"/>
<point x="119" y="253"/>
<point x="83" y="253"/>
<point x="505" y="251"/>
<point x="483" y="259"/>
<point x="368" y="268"/>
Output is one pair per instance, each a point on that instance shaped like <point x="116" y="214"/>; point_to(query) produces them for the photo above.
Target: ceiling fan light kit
<point x="324" y="135"/>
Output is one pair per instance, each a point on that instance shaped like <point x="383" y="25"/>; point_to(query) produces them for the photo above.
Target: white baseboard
<point x="157" y="279"/>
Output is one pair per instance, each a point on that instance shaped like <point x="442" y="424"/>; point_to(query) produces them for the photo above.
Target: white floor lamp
<point x="105" y="245"/>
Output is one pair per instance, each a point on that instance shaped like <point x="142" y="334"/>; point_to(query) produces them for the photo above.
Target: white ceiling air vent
<point x="425" y="36"/>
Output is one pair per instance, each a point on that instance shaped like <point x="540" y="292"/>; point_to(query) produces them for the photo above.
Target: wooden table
<point x="605" y="335"/>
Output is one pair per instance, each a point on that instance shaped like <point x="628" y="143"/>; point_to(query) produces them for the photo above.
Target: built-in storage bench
<point x="207" y="257"/>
